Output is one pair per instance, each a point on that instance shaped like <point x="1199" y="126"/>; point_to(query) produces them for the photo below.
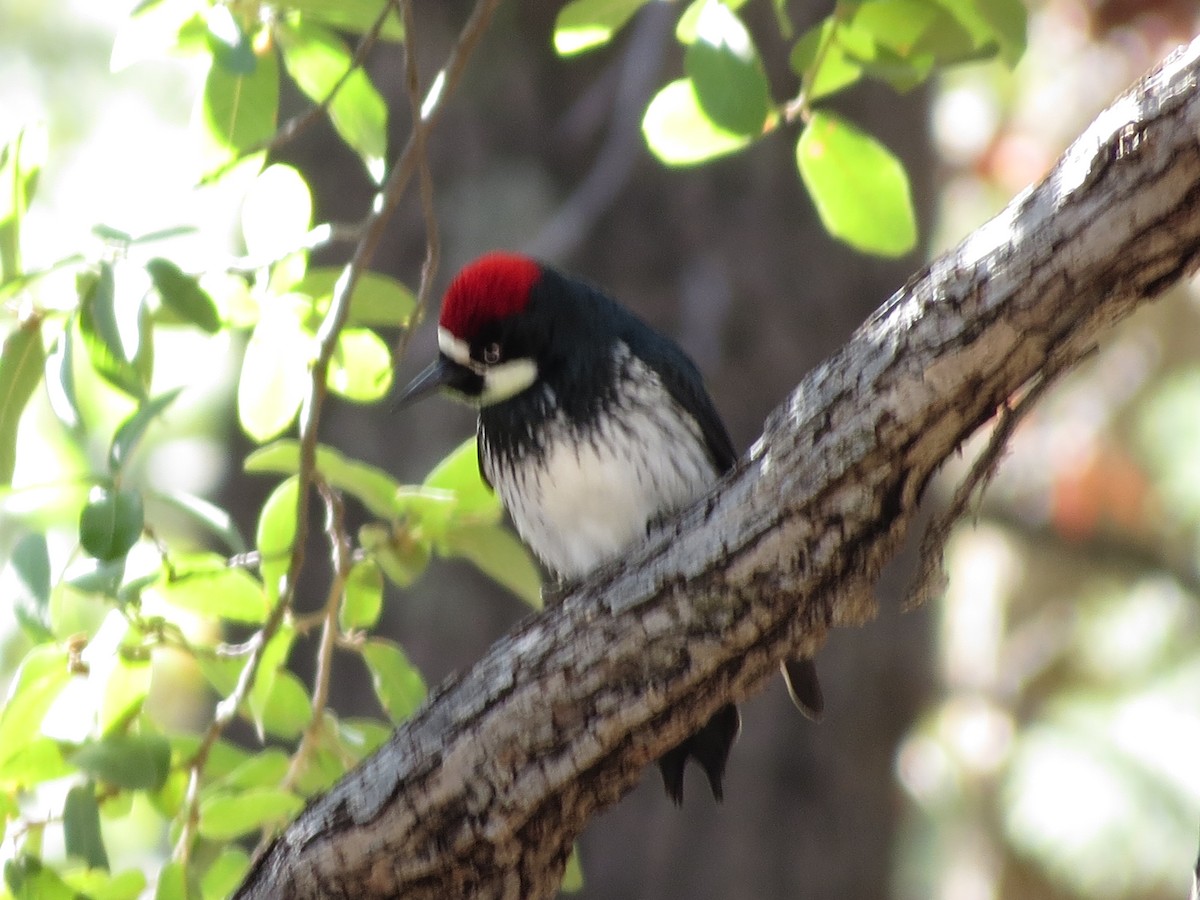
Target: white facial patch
<point x="507" y="379"/>
<point x="500" y="380"/>
<point x="459" y="351"/>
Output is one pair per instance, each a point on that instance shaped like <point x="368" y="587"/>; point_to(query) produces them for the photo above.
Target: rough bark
<point x="483" y="791"/>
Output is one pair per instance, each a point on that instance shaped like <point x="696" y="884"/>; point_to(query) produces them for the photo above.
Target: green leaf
<point x="572" y="881"/>
<point x="60" y="379"/>
<point x="81" y="827"/>
<point x="228" y="41"/>
<point x="139" y="762"/>
<point x="226" y="873"/>
<point x="205" y="583"/>
<point x="397" y="683"/>
<point x="236" y="113"/>
<point x="837" y="70"/>
<point x="860" y="189"/>
<point x="363" y="598"/>
<point x="678" y="131"/>
<point x="264" y="769"/>
<point x="401" y="557"/>
<point x="276" y="533"/>
<point x="497" y="552"/>
<point x="182" y="293"/>
<point x="374" y="488"/>
<point x="172" y="882"/>
<point x="227" y="816"/>
<point x="318" y="61"/>
<point x="111" y="522"/>
<point x="207" y="515"/>
<point x="22" y="361"/>
<point x="29" y="879"/>
<point x="274" y="377"/>
<point x="726" y="72"/>
<point x="459" y="474"/>
<point x="355" y="16"/>
<point x="42" y="675"/>
<point x="377" y="301"/>
<point x="21" y="160"/>
<point x="111" y="331"/>
<point x="98" y="884"/>
<point x="125" y="690"/>
<point x="276" y="213"/>
<point x="286" y="708"/>
<point x="361" y="366"/>
<point x="1000" y="22"/>
<point x="31" y="564"/>
<point x="130" y="432"/>
<point x="584" y="24"/>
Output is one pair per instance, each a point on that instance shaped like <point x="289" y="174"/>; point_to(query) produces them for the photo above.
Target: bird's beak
<point x="442" y="372"/>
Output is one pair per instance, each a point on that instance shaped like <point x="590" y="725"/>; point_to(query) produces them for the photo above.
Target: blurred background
<point x="1036" y="732"/>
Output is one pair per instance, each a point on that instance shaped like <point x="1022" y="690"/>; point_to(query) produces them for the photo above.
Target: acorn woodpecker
<point x="592" y="426"/>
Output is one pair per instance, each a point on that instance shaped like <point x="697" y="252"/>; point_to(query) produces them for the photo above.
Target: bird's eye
<point x="491" y="354"/>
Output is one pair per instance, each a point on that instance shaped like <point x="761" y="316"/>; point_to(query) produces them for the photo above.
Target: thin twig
<point x="301" y="122"/>
<point x="339" y="547"/>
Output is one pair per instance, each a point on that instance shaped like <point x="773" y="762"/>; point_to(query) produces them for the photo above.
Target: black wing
<point x="683" y="382"/>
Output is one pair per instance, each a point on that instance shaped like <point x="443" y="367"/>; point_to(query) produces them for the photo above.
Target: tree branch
<point x="483" y="790"/>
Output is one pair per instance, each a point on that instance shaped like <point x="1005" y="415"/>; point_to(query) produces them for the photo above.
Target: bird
<point x="592" y="427"/>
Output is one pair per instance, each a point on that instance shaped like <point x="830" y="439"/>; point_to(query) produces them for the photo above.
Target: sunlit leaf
<point x="355" y="16"/>
<point x="125" y="691"/>
<point x="208" y="516"/>
<point x="399" y="555"/>
<point x="374" y="488"/>
<point x="130" y="432"/>
<point x="111" y="522"/>
<point x="205" y="583"/>
<point x="361" y="366"/>
<point x="263" y="769"/>
<point x="171" y="883"/>
<point x="226" y="816"/>
<point x="274" y="377"/>
<point x="688" y="24"/>
<point x="498" y="553"/>
<point x="459" y="473"/>
<point x="836" y="71"/>
<point x="277" y="212"/>
<point x="60" y="379"/>
<point x="726" y="72"/>
<point x="285" y="709"/>
<point x="226" y="873"/>
<point x="680" y="134"/>
<point x="318" y="61"/>
<point x="363" y="599"/>
<point x="22" y="361"/>
<point x="31" y="564"/>
<point x="859" y="188"/>
<point x="237" y="113"/>
<point x="397" y="682"/>
<point x="183" y="295"/>
<point x="21" y="160"/>
<point x="228" y="41"/>
<point x="276" y="533"/>
<point x="81" y="827"/>
<point x="378" y="300"/>
<point x="110" y="330"/>
<point x="584" y="24"/>
<point x="42" y="675"/>
<point x="133" y="761"/>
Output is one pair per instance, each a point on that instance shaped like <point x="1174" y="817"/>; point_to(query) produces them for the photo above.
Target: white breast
<point x="592" y="491"/>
